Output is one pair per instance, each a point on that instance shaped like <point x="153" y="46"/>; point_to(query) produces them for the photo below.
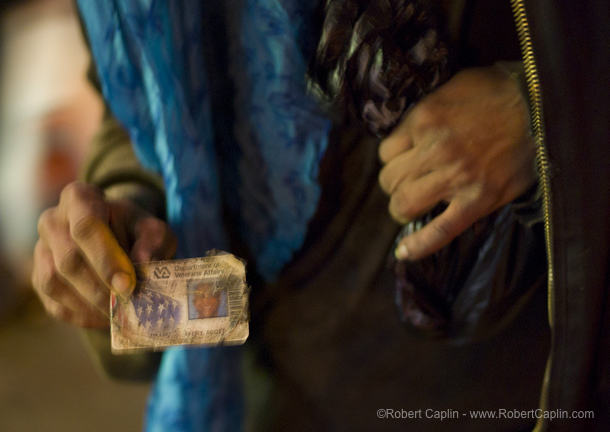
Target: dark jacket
<point x="570" y="45"/>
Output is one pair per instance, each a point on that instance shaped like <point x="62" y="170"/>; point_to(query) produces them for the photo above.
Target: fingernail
<point x="121" y="282"/>
<point x="401" y="252"/>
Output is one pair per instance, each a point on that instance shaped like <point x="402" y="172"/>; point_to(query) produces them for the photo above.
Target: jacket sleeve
<point x="113" y="166"/>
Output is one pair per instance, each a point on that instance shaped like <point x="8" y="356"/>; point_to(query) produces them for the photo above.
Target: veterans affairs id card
<point x="198" y="301"/>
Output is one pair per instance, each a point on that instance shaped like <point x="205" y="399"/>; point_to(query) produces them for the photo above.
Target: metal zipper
<point x="542" y="160"/>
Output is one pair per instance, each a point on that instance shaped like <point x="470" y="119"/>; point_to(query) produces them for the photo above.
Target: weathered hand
<point x="467" y="144"/>
<point x="80" y="255"/>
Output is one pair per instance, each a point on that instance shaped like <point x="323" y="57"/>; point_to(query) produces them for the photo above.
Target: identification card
<point x="198" y="301"/>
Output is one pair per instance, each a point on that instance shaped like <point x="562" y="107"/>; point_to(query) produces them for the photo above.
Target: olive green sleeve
<point x="113" y="166"/>
<point x="140" y="366"/>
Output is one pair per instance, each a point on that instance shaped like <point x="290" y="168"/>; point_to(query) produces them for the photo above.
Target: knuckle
<point x="382" y="152"/>
<point x="71" y="191"/>
<point x="462" y="174"/>
<point x="393" y="145"/>
<point x="446" y="151"/>
<point x="46" y="220"/>
<point x="80" y="191"/>
<point x="444" y="228"/>
<point x="384" y="180"/>
<point x="71" y="262"/>
<point x="478" y="194"/>
<point x="85" y="228"/>
<point x="48" y="283"/>
<point x="82" y="197"/>
<point x="43" y="273"/>
<point x="402" y="205"/>
<point x="53" y="309"/>
<point x="425" y="114"/>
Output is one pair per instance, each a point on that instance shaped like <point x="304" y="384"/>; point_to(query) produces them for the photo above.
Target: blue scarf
<point x="260" y="165"/>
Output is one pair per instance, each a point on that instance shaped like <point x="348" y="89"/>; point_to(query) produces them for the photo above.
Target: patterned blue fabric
<point x="197" y="390"/>
<point x="154" y="76"/>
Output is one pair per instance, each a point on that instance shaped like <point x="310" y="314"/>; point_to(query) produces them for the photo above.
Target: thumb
<point x="439" y="232"/>
<point x="88" y="216"/>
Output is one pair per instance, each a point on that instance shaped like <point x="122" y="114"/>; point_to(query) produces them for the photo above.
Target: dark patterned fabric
<point x="376" y="59"/>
